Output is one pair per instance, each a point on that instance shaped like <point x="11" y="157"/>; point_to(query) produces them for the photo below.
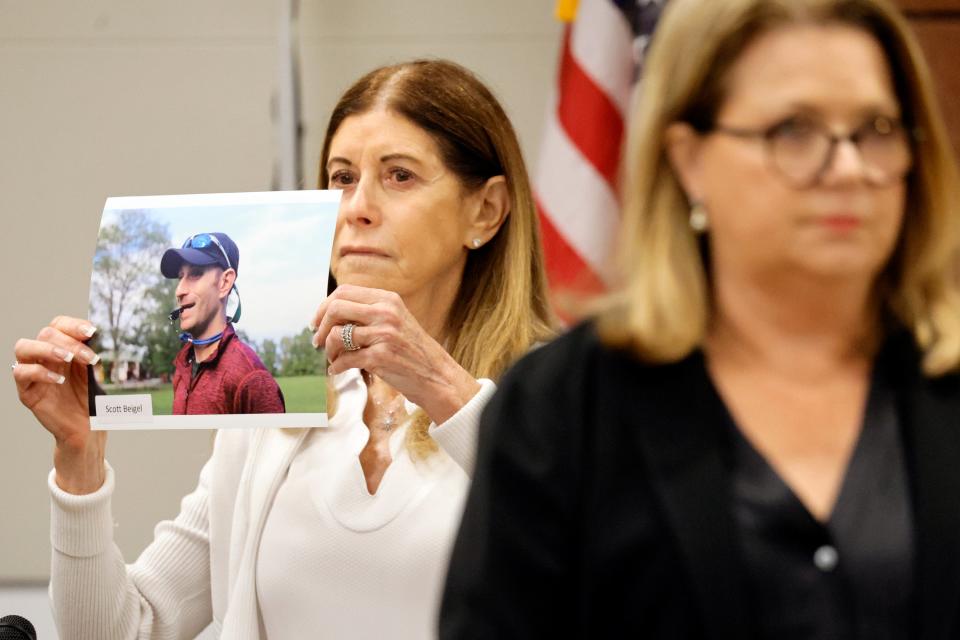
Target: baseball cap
<point x="201" y="250"/>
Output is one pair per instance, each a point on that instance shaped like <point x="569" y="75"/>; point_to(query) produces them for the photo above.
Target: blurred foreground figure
<point x="760" y="434"/>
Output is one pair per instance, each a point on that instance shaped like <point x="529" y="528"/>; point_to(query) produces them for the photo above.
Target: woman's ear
<point x="491" y="206"/>
<point x="683" y="145"/>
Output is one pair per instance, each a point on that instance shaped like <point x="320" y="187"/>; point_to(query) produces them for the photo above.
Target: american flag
<point x="604" y="42"/>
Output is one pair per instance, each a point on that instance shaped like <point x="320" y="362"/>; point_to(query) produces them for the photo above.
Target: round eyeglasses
<point x="802" y="149"/>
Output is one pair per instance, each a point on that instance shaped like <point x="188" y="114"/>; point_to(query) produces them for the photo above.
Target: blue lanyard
<point x="186" y="337"/>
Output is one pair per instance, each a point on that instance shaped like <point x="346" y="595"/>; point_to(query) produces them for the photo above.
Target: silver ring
<point x="346" y="334"/>
<point x="14" y="366"/>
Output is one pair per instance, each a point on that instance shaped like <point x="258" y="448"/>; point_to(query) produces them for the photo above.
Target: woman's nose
<point x="845" y="163"/>
<point x="360" y="205"/>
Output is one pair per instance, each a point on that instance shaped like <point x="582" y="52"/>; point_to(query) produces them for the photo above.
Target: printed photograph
<point x="203" y="304"/>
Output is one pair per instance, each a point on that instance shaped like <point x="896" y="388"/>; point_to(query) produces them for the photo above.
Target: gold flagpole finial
<point x="566" y="10"/>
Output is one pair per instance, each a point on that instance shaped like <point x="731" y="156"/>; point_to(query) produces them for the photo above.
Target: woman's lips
<point x="361" y="251"/>
<point x="841" y="222"/>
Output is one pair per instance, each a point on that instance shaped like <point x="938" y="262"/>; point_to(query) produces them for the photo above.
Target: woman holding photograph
<point x="344" y="530"/>
<point x="759" y="437"/>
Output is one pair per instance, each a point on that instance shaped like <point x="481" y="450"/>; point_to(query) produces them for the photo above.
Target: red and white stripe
<point x="576" y="178"/>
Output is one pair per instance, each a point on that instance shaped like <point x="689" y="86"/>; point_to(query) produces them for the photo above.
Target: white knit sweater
<point x="202" y="566"/>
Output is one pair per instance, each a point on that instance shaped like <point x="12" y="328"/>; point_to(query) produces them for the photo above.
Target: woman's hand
<point x="393" y="346"/>
<point x="51" y="377"/>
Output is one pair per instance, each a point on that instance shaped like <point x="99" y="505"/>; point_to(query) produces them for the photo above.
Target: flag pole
<point x="288" y="169"/>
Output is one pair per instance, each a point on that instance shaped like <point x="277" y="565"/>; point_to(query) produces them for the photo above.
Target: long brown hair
<point x="663" y="307"/>
<point x="501" y="308"/>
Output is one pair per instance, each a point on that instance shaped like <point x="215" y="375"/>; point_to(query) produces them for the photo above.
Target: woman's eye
<point x="401" y="175"/>
<point x="881" y="127"/>
<point x="341" y="179"/>
<point x="794" y="128"/>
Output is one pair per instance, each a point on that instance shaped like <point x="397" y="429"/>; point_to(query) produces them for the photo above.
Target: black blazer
<point x="601" y="505"/>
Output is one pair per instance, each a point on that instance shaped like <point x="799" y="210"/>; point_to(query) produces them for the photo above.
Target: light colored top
<point x="203" y="565"/>
<point x="373" y="565"/>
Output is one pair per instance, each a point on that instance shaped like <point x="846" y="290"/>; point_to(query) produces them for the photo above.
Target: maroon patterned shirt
<point x="233" y="380"/>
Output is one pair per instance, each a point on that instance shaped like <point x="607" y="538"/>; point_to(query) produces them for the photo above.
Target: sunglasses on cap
<point x="203" y="241"/>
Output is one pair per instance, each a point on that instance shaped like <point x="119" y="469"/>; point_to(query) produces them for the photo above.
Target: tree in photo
<point x="126" y="265"/>
<point x="299" y="358"/>
<point x="269" y="352"/>
<point x="157" y="333"/>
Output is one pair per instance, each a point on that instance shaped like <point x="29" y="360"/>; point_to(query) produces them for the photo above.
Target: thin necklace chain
<point x="389" y="409"/>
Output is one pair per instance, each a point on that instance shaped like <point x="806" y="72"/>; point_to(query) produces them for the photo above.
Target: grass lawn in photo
<point x="301" y="394"/>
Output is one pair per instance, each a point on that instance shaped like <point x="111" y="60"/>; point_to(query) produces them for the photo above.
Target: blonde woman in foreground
<point x="760" y="436"/>
<point x="341" y="532"/>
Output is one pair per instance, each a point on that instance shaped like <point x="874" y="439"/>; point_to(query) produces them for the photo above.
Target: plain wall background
<point x="108" y="97"/>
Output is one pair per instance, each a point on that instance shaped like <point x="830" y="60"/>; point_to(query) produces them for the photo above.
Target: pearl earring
<point x="699" y="221"/>
<point x="476" y="243"/>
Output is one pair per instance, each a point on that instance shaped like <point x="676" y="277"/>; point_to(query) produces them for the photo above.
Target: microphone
<point x="16" y="628"/>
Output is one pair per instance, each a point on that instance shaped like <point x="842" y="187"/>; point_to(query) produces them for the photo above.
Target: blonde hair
<point x="501" y="309"/>
<point x="662" y="309"/>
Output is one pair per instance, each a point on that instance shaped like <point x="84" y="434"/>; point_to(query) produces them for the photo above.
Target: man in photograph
<point x="215" y="372"/>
